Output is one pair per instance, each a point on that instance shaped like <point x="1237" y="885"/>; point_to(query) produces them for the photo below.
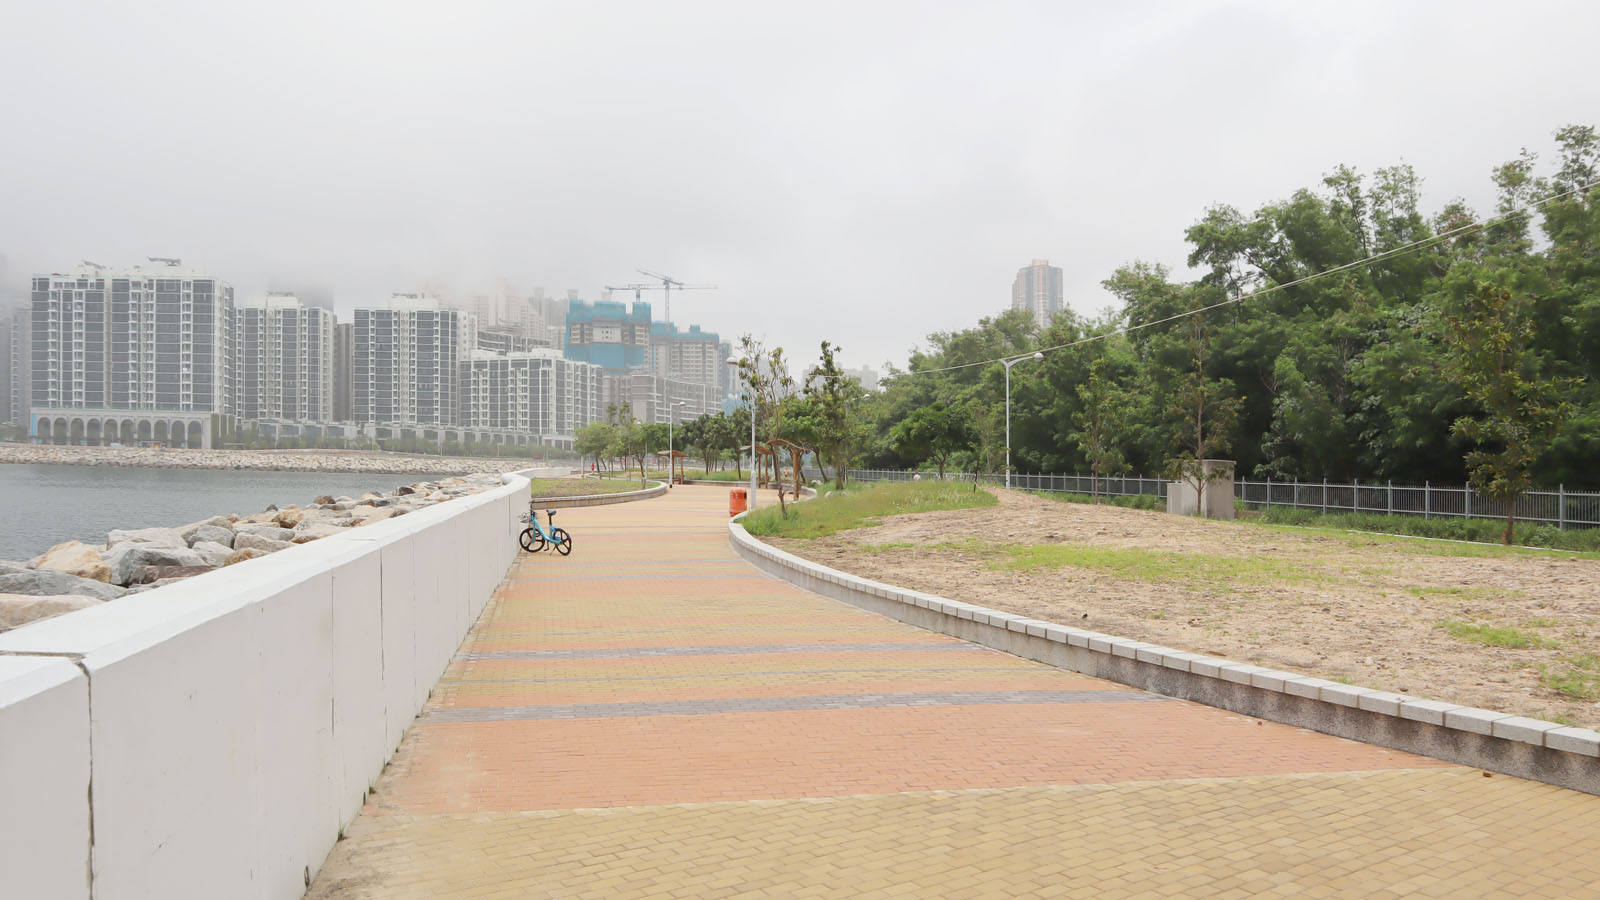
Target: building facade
<point x="538" y="393"/>
<point x="14" y="395"/>
<point x="344" y="350"/>
<point x="612" y="335"/>
<point x="407" y="361"/>
<point x="693" y="355"/>
<point x="283" y="360"/>
<point x="134" y="355"/>
<point x="1037" y="289"/>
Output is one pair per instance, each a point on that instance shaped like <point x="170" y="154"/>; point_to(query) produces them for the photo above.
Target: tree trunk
<point x="1511" y="522"/>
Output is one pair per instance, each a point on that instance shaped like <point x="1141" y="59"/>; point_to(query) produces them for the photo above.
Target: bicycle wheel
<point x="563" y="541"/>
<point x="531" y="540"/>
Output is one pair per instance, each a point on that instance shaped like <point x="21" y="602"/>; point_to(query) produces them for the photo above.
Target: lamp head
<point x="1038" y="355"/>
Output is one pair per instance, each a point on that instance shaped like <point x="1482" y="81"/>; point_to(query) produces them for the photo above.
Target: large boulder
<point x="189" y="531"/>
<point x="374" y="514"/>
<point x="155" y="574"/>
<point x="270" y="532"/>
<point x="214" y="534"/>
<point x="311" y="531"/>
<point x="127" y="559"/>
<point x="213" y="553"/>
<point x="75" y="558"/>
<point x="248" y="540"/>
<point x="160" y="537"/>
<point x="239" y="556"/>
<point x="20" y="609"/>
<point x="16" y="579"/>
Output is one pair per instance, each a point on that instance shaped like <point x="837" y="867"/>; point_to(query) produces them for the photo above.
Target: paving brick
<point x="714" y="732"/>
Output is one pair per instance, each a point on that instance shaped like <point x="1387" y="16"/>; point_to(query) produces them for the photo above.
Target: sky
<point x="862" y="172"/>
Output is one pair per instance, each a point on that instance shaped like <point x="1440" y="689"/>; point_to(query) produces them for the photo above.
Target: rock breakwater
<point x="261" y="460"/>
<point x="76" y="575"/>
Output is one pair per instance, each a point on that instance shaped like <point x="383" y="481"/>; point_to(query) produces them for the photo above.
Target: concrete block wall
<point x="211" y="738"/>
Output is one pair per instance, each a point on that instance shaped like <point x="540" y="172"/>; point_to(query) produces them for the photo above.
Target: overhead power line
<point x="1376" y="257"/>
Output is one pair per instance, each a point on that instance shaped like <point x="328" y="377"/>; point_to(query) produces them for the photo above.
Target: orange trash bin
<point x="738" y="501"/>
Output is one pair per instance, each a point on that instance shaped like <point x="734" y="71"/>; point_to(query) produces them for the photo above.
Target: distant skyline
<point x="859" y="173"/>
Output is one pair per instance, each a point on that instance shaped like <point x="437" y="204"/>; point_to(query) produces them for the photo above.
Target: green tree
<point x="933" y="433"/>
<point x="1203" y="410"/>
<point x="835" y="398"/>
<point x="1490" y="332"/>
<point x="1099" y="425"/>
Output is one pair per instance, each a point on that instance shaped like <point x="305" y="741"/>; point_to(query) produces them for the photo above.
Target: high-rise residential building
<point x="503" y="340"/>
<point x="14" y="377"/>
<point x="538" y="393"/>
<point x="131" y="355"/>
<point x="283" y="360"/>
<point x="653" y="399"/>
<point x="1037" y="289"/>
<point x="344" y="352"/>
<point x="692" y="355"/>
<point x="866" y="376"/>
<point x="612" y="335"/>
<point x="408" y="357"/>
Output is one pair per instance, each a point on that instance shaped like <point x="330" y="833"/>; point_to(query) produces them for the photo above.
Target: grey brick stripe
<point x="729" y="650"/>
<point x="920" y="671"/>
<point x="783" y="704"/>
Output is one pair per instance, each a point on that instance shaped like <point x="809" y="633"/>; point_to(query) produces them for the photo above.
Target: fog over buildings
<point x="864" y="173"/>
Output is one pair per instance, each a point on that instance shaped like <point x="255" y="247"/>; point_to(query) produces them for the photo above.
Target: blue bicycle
<point x="536" y="537"/>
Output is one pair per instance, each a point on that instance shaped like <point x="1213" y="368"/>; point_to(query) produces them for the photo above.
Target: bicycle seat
<point x="551" y="513"/>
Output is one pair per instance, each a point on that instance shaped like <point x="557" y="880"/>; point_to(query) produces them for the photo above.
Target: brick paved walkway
<point x="652" y="717"/>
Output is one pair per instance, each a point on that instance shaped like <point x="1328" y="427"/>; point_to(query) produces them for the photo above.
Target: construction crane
<point x="168" y="260"/>
<point x="667" y="284"/>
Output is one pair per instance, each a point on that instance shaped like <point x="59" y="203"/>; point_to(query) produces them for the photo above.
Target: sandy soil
<point x="1352" y="608"/>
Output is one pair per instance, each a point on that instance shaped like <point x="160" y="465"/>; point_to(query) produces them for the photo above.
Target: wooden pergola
<point x="675" y="465"/>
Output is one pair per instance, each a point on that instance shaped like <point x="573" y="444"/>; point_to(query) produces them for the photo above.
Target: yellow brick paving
<point x="1332" y="819"/>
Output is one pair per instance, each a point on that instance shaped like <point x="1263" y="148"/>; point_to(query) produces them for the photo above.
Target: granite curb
<point x="599" y="499"/>
<point x="1495" y="741"/>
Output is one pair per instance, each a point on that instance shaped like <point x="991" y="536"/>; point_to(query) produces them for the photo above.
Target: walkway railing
<point x="1560" y="507"/>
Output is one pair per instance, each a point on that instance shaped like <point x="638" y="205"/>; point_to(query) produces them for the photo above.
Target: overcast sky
<point x="862" y="172"/>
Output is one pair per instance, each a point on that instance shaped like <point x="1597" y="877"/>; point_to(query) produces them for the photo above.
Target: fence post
<point x="1468" y="514"/>
<point x="1355" y="496"/>
<point x="1269" y="492"/>
<point x="1391" y="498"/>
<point x="1324" y="495"/>
<point x="1561" y="506"/>
<point x="1294" y="498"/>
<point x="1427" y="500"/>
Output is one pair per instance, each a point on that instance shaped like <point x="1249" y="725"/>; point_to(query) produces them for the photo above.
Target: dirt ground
<point x="1365" y="610"/>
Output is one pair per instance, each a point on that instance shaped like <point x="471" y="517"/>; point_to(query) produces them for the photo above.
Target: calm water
<point x="41" y="506"/>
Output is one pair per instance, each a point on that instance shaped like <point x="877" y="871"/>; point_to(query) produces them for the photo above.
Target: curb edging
<point x="1499" y="742"/>
<point x="599" y="499"/>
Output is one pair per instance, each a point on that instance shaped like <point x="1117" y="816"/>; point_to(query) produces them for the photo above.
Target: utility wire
<point x="1376" y="257"/>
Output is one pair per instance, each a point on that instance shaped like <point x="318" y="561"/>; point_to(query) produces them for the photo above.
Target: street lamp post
<point x="750" y="401"/>
<point x="672" y="414"/>
<point x="1008" y="364"/>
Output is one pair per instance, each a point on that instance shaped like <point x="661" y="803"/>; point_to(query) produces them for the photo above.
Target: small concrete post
<point x="1355" y="497"/>
<point x="1427" y="500"/>
<point x="1391" y="497"/>
<point x="1561" y="506"/>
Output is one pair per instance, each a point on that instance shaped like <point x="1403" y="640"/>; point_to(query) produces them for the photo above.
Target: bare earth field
<point x="1432" y="619"/>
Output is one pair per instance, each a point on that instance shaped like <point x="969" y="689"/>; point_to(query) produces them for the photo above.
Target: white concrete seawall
<point x="212" y="737"/>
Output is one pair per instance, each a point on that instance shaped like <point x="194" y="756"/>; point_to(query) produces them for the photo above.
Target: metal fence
<point x="1560" y="507"/>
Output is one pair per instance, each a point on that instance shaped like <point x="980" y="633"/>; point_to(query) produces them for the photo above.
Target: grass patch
<point x="1489" y="531"/>
<point x="889" y="547"/>
<point x="1134" y="564"/>
<point x="1409" y="545"/>
<point x="1140" y="501"/>
<point x="1578" y="677"/>
<point x="719" y="475"/>
<point x="1493" y="635"/>
<point x="862" y="506"/>
<point x="556" y="488"/>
